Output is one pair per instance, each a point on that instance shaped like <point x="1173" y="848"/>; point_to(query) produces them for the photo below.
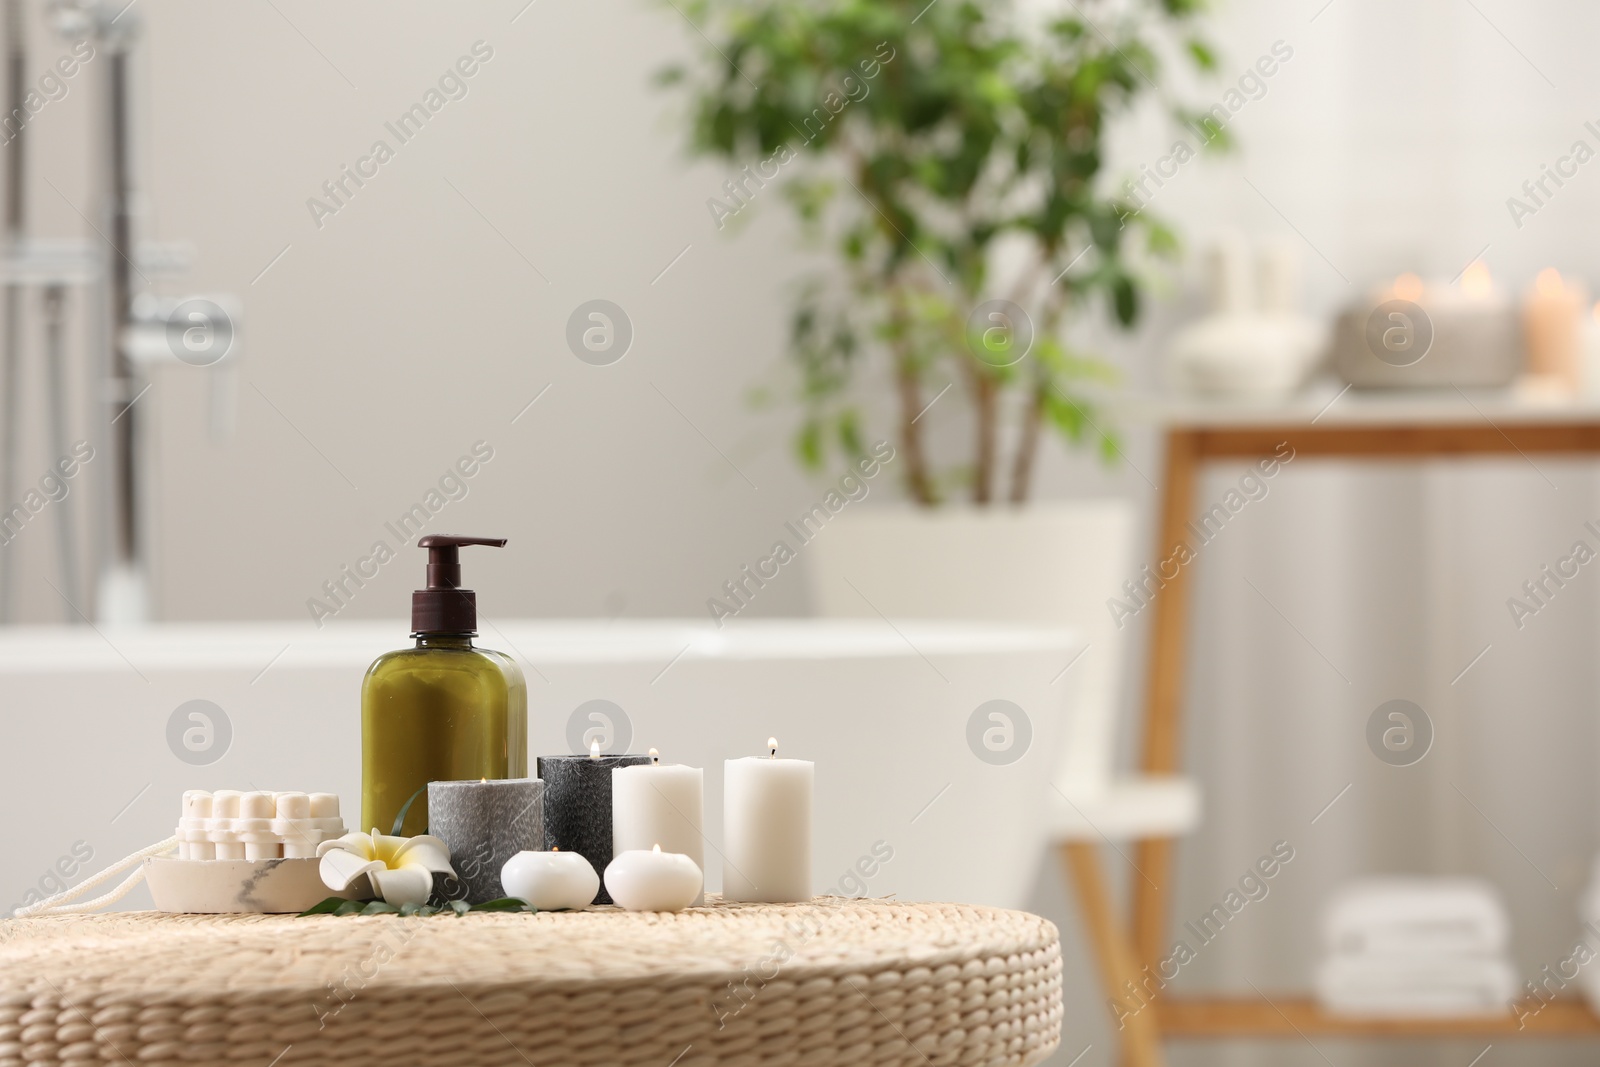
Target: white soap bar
<point x="196" y="804"/>
<point x="224" y="810"/>
<point x="293" y="806"/>
<point x="659" y="805"/>
<point x="225" y="804"/>
<point x="192" y="842"/>
<point x="257" y="806"/>
<point x="653" y="880"/>
<point x="550" y="881"/>
<point x="256" y="825"/>
<point x="766" y="829"/>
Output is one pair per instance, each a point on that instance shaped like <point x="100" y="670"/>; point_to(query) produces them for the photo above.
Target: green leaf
<point x="460" y="907"/>
<point x="400" y="819"/>
<point x="850" y="439"/>
<point x="1126" y="298"/>
<point x="808" y="444"/>
<point x="1204" y="58"/>
<point x="1160" y="239"/>
<point x="504" y="904"/>
<point x="1065" y="415"/>
<point x="1110" y="451"/>
<point x="380" y="907"/>
<point x="350" y="907"/>
<point x="326" y="907"/>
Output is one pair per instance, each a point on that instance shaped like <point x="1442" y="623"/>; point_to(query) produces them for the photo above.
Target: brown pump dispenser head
<point x="444" y="607"/>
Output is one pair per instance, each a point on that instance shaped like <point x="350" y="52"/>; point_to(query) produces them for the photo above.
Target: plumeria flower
<point x="399" y="869"/>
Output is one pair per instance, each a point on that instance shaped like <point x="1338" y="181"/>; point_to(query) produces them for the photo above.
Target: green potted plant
<point x="949" y="155"/>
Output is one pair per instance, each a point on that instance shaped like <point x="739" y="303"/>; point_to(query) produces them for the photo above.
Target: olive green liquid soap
<point x="444" y="710"/>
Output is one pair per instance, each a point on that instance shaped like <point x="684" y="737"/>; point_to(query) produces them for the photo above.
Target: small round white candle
<point x="654" y="880"/>
<point x="550" y="881"/>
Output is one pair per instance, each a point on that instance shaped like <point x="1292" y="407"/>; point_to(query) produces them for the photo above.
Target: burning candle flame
<point x="1408" y="287"/>
<point x="656" y="847"/>
<point x="594" y="748"/>
<point x="772" y="748"/>
<point x="1549" y="282"/>
<point x="1475" y="280"/>
<point x="655" y="757"/>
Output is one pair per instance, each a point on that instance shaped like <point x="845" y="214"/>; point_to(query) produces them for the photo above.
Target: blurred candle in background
<point x="1463" y="332"/>
<point x="1407" y="287"/>
<point x="1591" y="352"/>
<point x="1552" y="323"/>
<point x="1476" y="284"/>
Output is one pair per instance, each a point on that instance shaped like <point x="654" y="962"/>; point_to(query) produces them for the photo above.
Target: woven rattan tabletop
<point x="834" y="982"/>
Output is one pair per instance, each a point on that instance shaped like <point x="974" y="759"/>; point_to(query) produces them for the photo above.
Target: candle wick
<point x="655" y="757"/>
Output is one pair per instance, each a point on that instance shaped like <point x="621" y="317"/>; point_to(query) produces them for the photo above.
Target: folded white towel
<point x="1410" y="983"/>
<point x="1402" y="914"/>
<point x="1589" y="915"/>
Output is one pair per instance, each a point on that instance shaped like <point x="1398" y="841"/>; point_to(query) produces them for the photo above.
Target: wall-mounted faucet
<point x="131" y="332"/>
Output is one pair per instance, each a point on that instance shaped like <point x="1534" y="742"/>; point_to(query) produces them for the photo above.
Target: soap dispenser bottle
<point x="444" y="710"/>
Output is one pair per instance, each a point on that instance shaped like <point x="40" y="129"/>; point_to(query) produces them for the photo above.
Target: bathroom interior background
<point x="425" y="314"/>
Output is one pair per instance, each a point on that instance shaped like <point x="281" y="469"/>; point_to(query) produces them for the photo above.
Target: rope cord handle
<point x="63" y="903"/>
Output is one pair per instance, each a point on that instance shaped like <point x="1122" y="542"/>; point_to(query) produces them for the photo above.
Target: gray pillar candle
<point x="484" y="824"/>
<point x="577" y="807"/>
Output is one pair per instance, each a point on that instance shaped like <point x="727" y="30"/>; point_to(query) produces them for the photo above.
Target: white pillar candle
<point x="766" y="827"/>
<point x="654" y="880"/>
<point x="551" y="881"/>
<point x="659" y="804"/>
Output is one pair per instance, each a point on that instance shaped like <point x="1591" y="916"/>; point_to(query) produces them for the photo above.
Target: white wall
<point x="383" y="344"/>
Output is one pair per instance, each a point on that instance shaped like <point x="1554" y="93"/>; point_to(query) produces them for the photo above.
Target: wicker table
<point x="836" y="982"/>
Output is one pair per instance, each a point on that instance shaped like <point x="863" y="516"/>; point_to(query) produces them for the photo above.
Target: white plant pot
<point x="1056" y="564"/>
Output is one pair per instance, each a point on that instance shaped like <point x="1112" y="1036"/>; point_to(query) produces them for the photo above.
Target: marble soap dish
<point x="215" y="887"/>
<point x="246" y="852"/>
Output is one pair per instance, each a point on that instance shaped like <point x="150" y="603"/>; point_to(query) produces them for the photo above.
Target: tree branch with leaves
<point x="914" y="139"/>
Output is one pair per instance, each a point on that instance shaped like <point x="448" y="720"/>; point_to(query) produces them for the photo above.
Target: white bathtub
<point x="86" y="768"/>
